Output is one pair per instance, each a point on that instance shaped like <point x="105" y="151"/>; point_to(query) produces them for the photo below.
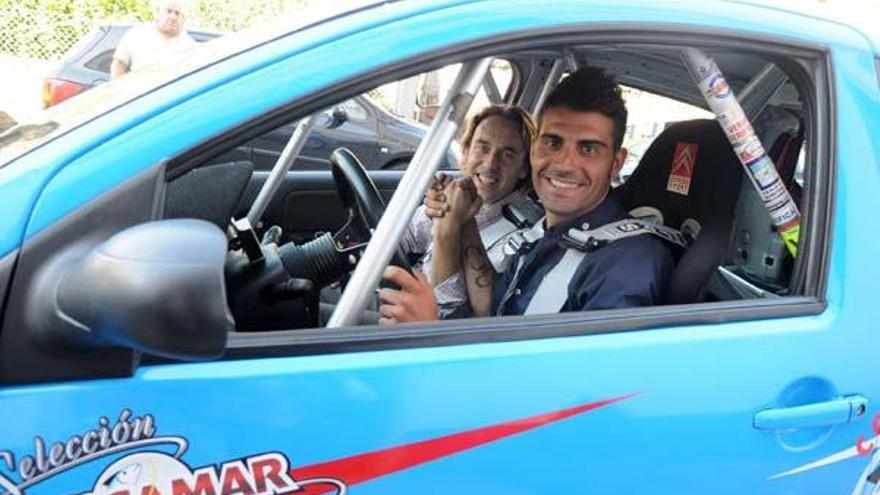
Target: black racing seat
<point x="691" y="176"/>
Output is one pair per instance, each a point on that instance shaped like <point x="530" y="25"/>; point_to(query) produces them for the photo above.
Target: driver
<point x="573" y="159"/>
<point x="496" y="146"/>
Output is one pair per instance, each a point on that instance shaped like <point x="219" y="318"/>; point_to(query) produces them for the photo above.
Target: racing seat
<point x="691" y="178"/>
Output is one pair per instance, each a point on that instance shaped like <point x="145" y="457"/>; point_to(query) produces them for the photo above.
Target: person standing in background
<point x="149" y="43"/>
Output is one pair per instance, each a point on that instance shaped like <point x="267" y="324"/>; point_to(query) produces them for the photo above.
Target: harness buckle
<point x="522" y="214"/>
<point x="520" y="242"/>
<point x="581" y="241"/>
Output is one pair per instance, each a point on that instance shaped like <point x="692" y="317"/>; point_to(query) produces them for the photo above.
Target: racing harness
<point x="552" y="292"/>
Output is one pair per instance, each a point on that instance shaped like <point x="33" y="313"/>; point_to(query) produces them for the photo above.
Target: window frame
<point x="809" y="67"/>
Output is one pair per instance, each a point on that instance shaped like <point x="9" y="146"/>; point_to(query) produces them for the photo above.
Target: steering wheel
<point x="361" y="198"/>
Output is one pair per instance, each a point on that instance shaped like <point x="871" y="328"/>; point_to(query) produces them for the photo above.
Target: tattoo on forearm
<point x="478" y="265"/>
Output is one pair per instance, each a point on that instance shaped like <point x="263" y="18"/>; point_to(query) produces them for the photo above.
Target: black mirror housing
<point x="157" y="288"/>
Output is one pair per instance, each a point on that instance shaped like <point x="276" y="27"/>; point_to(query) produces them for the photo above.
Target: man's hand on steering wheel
<point x="413" y="302"/>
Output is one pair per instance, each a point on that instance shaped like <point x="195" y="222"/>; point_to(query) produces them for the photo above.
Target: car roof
<point x="860" y="15"/>
<point x="241" y="55"/>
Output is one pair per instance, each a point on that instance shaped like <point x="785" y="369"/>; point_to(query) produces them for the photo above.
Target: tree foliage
<point x="48" y="28"/>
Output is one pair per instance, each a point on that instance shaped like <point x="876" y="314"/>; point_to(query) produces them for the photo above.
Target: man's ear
<point x="619" y="160"/>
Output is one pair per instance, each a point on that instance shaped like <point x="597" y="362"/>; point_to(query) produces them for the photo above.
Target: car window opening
<point x="677" y="150"/>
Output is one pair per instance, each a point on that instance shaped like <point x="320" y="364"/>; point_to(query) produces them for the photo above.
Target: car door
<point x="307" y="203"/>
<point x="743" y="396"/>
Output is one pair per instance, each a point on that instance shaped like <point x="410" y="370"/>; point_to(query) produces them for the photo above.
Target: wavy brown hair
<point x="528" y="131"/>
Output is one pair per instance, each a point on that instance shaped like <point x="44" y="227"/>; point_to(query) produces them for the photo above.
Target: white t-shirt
<point x="144" y="45"/>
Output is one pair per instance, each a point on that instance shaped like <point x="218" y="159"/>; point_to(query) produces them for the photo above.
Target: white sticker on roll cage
<point x="748" y="148"/>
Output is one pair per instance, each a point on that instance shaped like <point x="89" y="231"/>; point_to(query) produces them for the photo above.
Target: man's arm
<point x="447" y="250"/>
<point x="626" y="274"/>
<point x="464" y="202"/>
<point x="121" y="63"/>
<point x="418" y="236"/>
<point x="117" y="68"/>
<point x="479" y="274"/>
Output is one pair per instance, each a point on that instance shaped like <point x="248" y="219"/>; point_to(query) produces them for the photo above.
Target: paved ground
<point x="21" y="85"/>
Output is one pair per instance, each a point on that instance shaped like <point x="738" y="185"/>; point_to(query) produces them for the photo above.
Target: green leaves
<point x="46" y="29"/>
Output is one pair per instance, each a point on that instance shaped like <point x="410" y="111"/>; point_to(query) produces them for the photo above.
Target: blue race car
<point x="161" y="328"/>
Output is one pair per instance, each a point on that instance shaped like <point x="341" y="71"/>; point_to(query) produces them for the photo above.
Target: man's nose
<point x="496" y="160"/>
<point x="566" y="155"/>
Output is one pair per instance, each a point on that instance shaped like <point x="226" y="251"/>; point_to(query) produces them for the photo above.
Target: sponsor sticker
<point x="161" y="470"/>
<point x="718" y="87"/>
<point x="764" y="172"/>
<point x="868" y="481"/>
<point x="749" y="150"/>
<point x="786" y="214"/>
<point x="740" y="130"/>
<point x="746" y="145"/>
<point x="682" y="169"/>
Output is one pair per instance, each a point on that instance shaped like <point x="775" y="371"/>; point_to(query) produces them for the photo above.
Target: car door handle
<point x="840" y="410"/>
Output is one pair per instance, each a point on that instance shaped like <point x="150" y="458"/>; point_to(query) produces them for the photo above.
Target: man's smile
<point x="487" y="179"/>
<point x="563" y="182"/>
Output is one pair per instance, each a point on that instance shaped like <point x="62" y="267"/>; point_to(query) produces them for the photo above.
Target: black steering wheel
<point x="361" y="198"/>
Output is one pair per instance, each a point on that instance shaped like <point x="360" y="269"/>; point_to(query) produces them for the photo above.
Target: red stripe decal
<point x="364" y="467"/>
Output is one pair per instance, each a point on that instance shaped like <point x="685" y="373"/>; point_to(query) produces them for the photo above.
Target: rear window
<point x="101" y="62"/>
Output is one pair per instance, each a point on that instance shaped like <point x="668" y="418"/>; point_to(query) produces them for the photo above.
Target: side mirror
<point x="157" y="288"/>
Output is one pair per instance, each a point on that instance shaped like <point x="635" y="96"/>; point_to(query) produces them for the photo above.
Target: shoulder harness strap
<point x="552" y="293"/>
<point x="590" y="240"/>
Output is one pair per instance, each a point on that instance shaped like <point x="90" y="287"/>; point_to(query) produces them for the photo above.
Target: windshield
<point x="57" y="120"/>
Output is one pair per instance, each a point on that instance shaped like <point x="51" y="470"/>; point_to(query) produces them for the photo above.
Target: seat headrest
<point x="689" y="171"/>
<point x="692" y="176"/>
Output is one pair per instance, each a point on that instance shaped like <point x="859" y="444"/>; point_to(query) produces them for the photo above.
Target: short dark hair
<point x="591" y="89"/>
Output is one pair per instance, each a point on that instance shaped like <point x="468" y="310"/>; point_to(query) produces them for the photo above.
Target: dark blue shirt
<point x="625" y="273"/>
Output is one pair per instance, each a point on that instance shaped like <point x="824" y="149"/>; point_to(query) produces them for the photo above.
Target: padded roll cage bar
<point x="409" y="193"/>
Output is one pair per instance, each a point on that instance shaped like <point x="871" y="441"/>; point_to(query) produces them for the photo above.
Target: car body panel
<point x="332" y="407"/>
<point x="661" y="408"/>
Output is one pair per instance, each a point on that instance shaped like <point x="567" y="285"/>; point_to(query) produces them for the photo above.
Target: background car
<point x="87" y="63"/>
<point x="382" y="140"/>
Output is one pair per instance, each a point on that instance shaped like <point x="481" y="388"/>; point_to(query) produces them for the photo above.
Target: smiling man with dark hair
<point x="575" y="155"/>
